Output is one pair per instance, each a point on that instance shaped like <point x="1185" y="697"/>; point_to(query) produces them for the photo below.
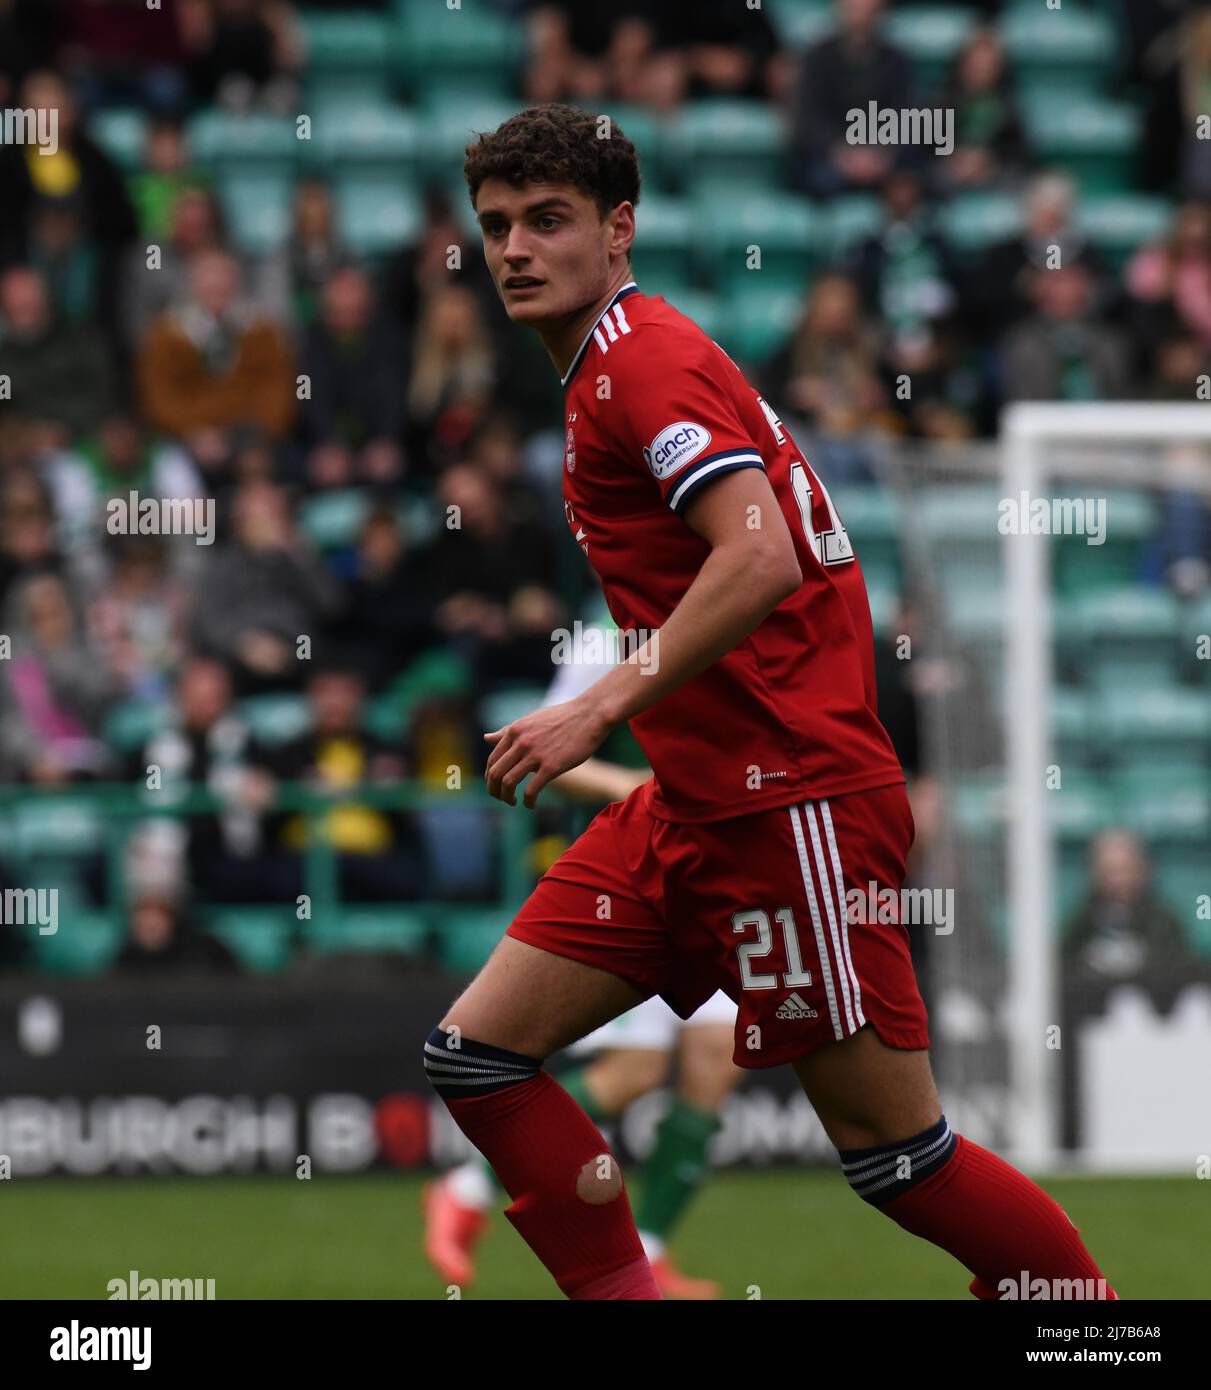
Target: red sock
<point x="550" y="1157"/>
<point x="996" y="1221"/>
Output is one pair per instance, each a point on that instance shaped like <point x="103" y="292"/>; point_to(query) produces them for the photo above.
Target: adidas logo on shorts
<point x="794" y="1007"/>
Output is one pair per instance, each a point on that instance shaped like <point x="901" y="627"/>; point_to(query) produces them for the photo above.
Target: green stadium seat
<point x="1166" y="728"/>
<point x="850" y="218"/>
<point x="259" y="937"/>
<point x="86" y="943"/>
<point x="378" y="213"/>
<point x="374" y="139"/>
<point x="1079" y="567"/>
<point x="1118" y="224"/>
<point x="129" y="725"/>
<point x="56" y="825"/>
<point x="275" y="719"/>
<point x="1128" y="635"/>
<point x="725" y="140"/>
<point x="1196" y="640"/>
<point x="972" y="222"/>
<point x="258" y="208"/>
<point x="1080" y="807"/>
<point x="452" y="120"/>
<point x="884" y="598"/>
<point x="468" y="936"/>
<point x="661" y="257"/>
<point x="871" y="518"/>
<point x="783" y="227"/>
<point x="1094" y="139"/>
<point x="348" y="55"/>
<point x="648" y="133"/>
<point x="1070" y="47"/>
<point x="1074" y="739"/>
<point x="333" y="519"/>
<point x="931" y="37"/>
<point x="801" y="23"/>
<point x="436" y="674"/>
<point x="959" y="525"/>
<point x="250" y="143"/>
<point x="400" y="931"/>
<point x="758" y="321"/>
<point x="473" y="45"/>
<point x="979" y="805"/>
<point x="122" y="134"/>
<point x="503" y="706"/>
<point x="705" y="308"/>
<point x="1170" y="806"/>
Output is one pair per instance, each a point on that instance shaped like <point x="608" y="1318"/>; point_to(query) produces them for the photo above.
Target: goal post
<point x="1029" y="431"/>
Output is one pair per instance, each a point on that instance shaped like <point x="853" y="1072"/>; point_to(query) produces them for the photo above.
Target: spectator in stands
<point x="1195" y="96"/>
<point x="1123" y="931"/>
<point x="990" y="147"/>
<point x="119" y="459"/>
<point x="79" y="172"/>
<point x="828" y="373"/>
<point x="380" y="853"/>
<point x="167" y="174"/>
<point x="125" y="54"/>
<point x="214" y="371"/>
<point x="139" y="620"/>
<point x="452" y="378"/>
<point x="443" y="253"/>
<point x="840" y="74"/>
<point x="1169" y="283"/>
<point x="60" y="373"/>
<point x="387" y="618"/>
<point x="1066" y="351"/>
<point x="156" y="280"/>
<point x="54" y="690"/>
<point x="208" y="745"/>
<point x="59" y="250"/>
<point x="1002" y="291"/>
<point x="243" y="53"/>
<point x="162" y="939"/>
<point x="492" y="579"/>
<point x="354" y="360"/>
<point x="263" y="590"/>
<point x="28" y="543"/>
<point x="295" y="274"/>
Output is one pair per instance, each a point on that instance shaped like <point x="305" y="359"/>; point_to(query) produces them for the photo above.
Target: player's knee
<point x="460" y="1068"/>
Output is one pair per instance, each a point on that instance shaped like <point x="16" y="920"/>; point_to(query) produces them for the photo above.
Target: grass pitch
<point x="790" y="1234"/>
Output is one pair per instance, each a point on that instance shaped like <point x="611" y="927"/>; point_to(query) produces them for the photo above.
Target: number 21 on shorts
<point x="750" y="951"/>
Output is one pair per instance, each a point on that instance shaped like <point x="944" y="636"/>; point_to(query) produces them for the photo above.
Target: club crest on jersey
<point x="674" y="447"/>
<point x="569" y="453"/>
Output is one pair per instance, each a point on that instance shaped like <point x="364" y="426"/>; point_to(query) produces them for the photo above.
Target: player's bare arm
<point x="751" y="568"/>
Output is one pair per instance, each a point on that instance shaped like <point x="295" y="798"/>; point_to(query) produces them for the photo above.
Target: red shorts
<point x="755" y="906"/>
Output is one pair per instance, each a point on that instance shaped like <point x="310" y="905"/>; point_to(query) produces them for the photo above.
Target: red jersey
<point x="655" y="411"/>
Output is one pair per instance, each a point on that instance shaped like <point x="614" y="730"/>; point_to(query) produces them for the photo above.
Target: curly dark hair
<point x="555" y="143"/>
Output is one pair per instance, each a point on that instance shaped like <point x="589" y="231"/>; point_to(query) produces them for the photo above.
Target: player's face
<point x="546" y="246"/>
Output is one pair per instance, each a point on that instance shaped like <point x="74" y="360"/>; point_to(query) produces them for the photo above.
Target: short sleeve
<point x="675" y="418"/>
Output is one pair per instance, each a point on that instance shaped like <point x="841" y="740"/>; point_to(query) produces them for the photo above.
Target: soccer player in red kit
<point x="775" y="788"/>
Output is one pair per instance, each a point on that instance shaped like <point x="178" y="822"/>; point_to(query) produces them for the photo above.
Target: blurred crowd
<point x="147" y="353"/>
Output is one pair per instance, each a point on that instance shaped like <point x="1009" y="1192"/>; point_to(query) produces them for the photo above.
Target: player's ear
<point x="622" y="225"/>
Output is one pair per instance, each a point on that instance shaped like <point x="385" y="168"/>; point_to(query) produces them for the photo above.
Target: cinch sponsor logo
<point x="674" y="447"/>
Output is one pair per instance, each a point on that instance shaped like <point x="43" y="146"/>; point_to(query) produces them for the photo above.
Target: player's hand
<point x="546" y="742"/>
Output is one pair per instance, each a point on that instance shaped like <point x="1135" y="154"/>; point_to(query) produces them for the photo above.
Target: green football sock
<point x="675" y="1169"/>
